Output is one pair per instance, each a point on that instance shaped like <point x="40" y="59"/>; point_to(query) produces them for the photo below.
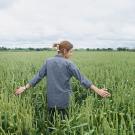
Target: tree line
<point x="80" y="49"/>
<point x="24" y="49"/>
<point x="111" y="49"/>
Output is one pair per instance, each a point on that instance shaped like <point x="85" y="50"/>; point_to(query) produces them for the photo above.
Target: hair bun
<point x="55" y="45"/>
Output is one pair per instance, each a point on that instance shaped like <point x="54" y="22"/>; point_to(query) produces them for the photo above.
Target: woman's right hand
<point x="20" y="90"/>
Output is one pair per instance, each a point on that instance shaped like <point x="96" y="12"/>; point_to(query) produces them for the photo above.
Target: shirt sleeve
<point x="40" y="74"/>
<point x="74" y="71"/>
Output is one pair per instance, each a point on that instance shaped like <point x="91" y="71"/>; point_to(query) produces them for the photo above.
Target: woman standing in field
<point x="59" y="70"/>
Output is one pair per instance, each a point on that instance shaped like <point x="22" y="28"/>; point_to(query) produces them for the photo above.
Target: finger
<point x="104" y="89"/>
<point x="103" y="95"/>
<point x="17" y="92"/>
<point x="106" y="94"/>
<point x="16" y="88"/>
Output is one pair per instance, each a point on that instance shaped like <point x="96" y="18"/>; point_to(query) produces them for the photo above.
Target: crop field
<point x="89" y="114"/>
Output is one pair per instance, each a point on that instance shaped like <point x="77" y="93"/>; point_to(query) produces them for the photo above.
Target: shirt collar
<point x="58" y="55"/>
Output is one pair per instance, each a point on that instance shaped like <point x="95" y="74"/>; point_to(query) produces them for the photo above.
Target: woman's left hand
<point x="103" y="93"/>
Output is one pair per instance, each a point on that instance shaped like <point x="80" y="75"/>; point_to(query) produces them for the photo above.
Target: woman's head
<point x="64" y="48"/>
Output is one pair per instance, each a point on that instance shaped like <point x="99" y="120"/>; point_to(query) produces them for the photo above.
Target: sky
<point x="85" y="23"/>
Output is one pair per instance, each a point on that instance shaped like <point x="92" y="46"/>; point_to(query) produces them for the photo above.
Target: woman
<point x="59" y="70"/>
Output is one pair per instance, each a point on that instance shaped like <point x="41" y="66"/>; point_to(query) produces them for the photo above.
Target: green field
<point x="89" y="113"/>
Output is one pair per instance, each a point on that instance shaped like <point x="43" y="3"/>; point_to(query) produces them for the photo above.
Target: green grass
<point x="89" y="113"/>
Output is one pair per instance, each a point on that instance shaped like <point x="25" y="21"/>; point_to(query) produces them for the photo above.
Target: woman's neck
<point x="62" y="55"/>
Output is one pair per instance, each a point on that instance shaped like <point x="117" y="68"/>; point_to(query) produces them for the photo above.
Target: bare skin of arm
<point x="102" y="92"/>
<point x="22" y="89"/>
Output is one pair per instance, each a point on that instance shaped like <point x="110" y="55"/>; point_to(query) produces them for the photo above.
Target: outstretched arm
<point x="74" y="71"/>
<point x="32" y="83"/>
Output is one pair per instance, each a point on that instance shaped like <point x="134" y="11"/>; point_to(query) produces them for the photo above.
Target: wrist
<point x="24" y="88"/>
<point x="94" y="88"/>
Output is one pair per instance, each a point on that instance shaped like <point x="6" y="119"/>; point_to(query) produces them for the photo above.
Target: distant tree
<point x="133" y="50"/>
<point x="19" y="49"/>
<point x="31" y="49"/>
<point x="110" y="49"/>
<point x="38" y="49"/>
<point x="3" y="48"/>
<point x="87" y="49"/>
<point x="47" y="49"/>
<point x="122" y="49"/>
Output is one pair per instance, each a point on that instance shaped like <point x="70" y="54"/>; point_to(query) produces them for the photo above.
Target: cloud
<point x="4" y="4"/>
<point x="89" y="23"/>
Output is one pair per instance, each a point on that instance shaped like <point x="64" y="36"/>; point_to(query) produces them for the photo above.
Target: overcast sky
<point x="86" y="23"/>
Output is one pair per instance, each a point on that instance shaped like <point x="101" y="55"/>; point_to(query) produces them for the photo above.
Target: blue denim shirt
<point x="59" y="72"/>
